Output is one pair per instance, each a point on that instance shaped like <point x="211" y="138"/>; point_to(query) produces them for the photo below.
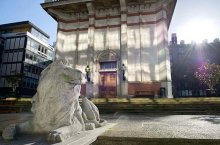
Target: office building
<point x="26" y="53"/>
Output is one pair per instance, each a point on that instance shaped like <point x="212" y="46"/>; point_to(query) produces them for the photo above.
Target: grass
<point x="19" y="99"/>
<point x="157" y="101"/>
<point x="194" y="100"/>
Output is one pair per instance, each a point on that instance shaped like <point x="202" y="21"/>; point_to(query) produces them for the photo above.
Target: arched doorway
<point x="108" y="70"/>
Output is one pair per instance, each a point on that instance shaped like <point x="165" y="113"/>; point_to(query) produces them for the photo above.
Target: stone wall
<point x="137" y="33"/>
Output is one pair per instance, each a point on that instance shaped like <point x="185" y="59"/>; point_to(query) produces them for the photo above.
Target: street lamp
<point x="87" y="70"/>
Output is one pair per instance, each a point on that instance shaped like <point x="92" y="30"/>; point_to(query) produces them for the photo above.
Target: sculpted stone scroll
<point x="56" y="108"/>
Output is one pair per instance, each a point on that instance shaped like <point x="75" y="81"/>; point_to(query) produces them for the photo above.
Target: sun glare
<point x="199" y="30"/>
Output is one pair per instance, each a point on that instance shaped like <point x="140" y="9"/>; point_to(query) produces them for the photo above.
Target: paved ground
<point x="168" y="126"/>
<point x="140" y="126"/>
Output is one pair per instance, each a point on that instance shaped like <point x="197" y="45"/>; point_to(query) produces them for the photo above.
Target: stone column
<point x="90" y="53"/>
<point x="123" y="49"/>
<point x="164" y="58"/>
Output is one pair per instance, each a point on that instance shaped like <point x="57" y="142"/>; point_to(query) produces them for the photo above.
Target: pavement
<point x="137" y="127"/>
<point x="164" y="126"/>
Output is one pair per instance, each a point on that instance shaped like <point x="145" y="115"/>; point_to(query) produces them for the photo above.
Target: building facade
<point x="123" y="44"/>
<point x="185" y="61"/>
<point x="2" y="43"/>
<point x="26" y="53"/>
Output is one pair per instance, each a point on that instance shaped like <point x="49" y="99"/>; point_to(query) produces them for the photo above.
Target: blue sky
<point x="192" y="19"/>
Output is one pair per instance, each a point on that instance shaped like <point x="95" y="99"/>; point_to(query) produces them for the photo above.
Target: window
<point x="17" y="43"/>
<point x="7" y="44"/>
<point x="13" y="68"/>
<point x="29" y="42"/>
<point x="27" y="56"/>
<point x="15" y="57"/>
<point x="10" y="57"/>
<point x="34" y="58"/>
<point x="108" y="65"/>
<point x="31" y="57"/>
<point x="21" y="45"/>
<point x="18" y="67"/>
<point x="12" y="45"/>
<point x="42" y="49"/>
<point x="5" y="57"/>
<point x="8" y="69"/>
<point x="45" y="51"/>
<point x="39" y="35"/>
<point x="3" y="69"/>
<point x="33" y="70"/>
<point x="20" y="56"/>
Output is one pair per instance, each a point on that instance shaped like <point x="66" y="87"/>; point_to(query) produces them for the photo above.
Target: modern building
<point x="2" y="43"/>
<point x="185" y="61"/>
<point x="26" y="53"/>
<point x="121" y="43"/>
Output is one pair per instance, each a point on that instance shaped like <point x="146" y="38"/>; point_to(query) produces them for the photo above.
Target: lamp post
<point x="87" y="70"/>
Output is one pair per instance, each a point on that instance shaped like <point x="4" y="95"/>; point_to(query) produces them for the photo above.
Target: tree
<point x="14" y="81"/>
<point x="209" y="74"/>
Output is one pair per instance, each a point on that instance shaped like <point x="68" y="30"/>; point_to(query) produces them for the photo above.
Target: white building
<point x="109" y="35"/>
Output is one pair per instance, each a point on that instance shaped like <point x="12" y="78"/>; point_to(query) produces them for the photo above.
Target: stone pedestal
<point x="89" y="89"/>
<point x="124" y="89"/>
<point x="168" y="88"/>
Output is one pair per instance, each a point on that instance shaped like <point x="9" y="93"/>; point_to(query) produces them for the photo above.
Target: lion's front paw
<point x="55" y="137"/>
<point x="9" y="132"/>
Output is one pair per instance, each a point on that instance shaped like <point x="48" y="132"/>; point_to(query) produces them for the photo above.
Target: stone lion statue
<point x="56" y="108"/>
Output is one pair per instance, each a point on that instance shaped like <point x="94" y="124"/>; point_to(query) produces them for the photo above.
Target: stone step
<point x="203" y="109"/>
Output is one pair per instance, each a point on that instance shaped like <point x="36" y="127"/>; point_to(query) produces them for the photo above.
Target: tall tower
<point x="122" y="42"/>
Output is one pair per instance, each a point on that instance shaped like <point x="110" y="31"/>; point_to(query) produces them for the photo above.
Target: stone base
<point x="168" y="88"/>
<point x="85" y="138"/>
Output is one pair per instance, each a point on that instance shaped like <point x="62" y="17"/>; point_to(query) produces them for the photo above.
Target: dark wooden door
<point x="108" y="84"/>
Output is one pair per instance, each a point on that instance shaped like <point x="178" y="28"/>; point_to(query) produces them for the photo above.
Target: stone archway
<point x="108" y="55"/>
<point x="108" y="62"/>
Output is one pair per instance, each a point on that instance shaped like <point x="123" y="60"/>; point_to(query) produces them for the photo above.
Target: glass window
<point x="42" y="49"/>
<point x="3" y="69"/>
<point x="20" y="56"/>
<point x="21" y="45"/>
<point x="45" y="51"/>
<point x="15" y="57"/>
<point x="12" y="45"/>
<point x="29" y="42"/>
<point x="5" y="57"/>
<point x="17" y="43"/>
<point x="8" y="72"/>
<point x="108" y="65"/>
<point x="13" y="69"/>
<point x="34" y="58"/>
<point x="1" y="82"/>
<point x="7" y="44"/>
<point x="18" y="68"/>
<point x="31" y="57"/>
<point x="10" y="57"/>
